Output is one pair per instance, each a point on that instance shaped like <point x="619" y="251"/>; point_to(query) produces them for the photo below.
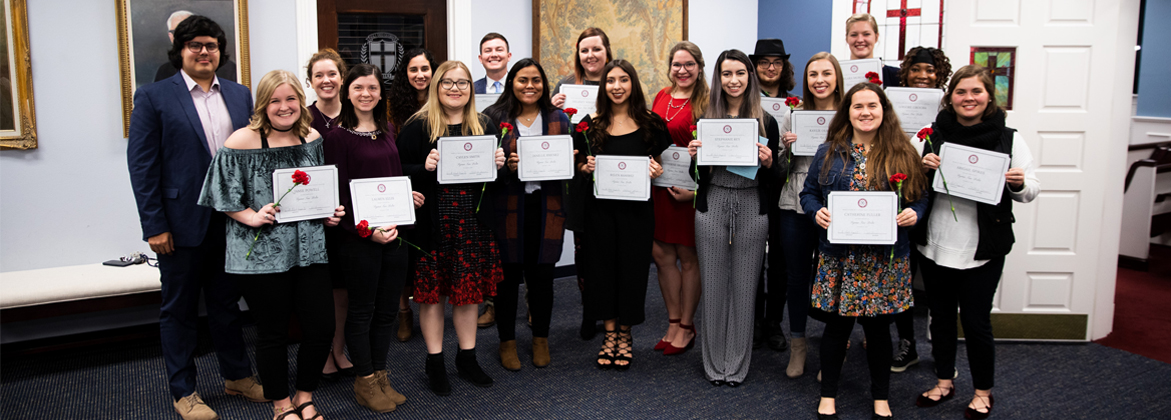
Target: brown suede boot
<point x="384" y="383"/>
<point x="508" y="357"/>
<point x="540" y="352"/>
<point x="370" y="395"/>
<point x="406" y="325"/>
<point x="797" y="351"/>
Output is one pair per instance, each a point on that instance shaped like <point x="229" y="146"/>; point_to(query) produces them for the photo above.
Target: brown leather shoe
<point x="488" y="318"/>
<point x="406" y="323"/>
<point x="369" y="394"/>
<point x="248" y="387"/>
<point x="540" y="352"/>
<point x="192" y="407"/>
<point x="384" y="383"/>
<point x="508" y="357"/>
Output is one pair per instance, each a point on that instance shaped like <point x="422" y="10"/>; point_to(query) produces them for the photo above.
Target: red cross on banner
<point x="902" y="13"/>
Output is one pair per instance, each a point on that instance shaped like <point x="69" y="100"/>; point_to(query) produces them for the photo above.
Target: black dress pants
<point x="537" y="278"/>
<point x="970" y="291"/>
<point x="272" y="299"/>
<point x="374" y="276"/>
<point x="878" y="352"/>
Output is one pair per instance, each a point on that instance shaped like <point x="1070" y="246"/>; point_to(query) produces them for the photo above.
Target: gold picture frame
<point x="140" y="41"/>
<point x="18" y="120"/>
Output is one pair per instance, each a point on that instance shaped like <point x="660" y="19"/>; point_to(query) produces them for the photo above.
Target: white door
<point x="1073" y="68"/>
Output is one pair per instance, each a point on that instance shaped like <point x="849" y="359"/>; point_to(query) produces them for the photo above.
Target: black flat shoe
<point x="875" y="416"/>
<point x="332" y="376"/>
<point x="717" y="382"/>
<point x="926" y="402"/>
<point x="833" y="416"/>
<point x="973" y="414"/>
<point x="733" y="384"/>
<point x="348" y="372"/>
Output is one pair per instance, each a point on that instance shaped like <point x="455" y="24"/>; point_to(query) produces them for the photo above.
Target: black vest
<point x="994" y="222"/>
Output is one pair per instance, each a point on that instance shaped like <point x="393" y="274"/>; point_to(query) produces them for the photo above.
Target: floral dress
<point x="864" y="281"/>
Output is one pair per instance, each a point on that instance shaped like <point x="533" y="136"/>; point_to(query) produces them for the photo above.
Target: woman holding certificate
<point x="373" y="265"/>
<point x="615" y="146"/>
<point x="822" y="92"/>
<point x="964" y="241"/>
<point x="280" y="268"/>
<point x="461" y="261"/>
<point x="406" y="94"/>
<point x="680" y="105"/>
<point x="856" y="281"/>
<point x="530" y="215"/>
<point x="861" y="37"/>
<point x="731" y="220"/>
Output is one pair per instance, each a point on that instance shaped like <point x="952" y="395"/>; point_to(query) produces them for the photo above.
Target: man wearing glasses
<point x="773" y="68"/>
<point x="226" y="71"/>
<point x="176" y="127"/>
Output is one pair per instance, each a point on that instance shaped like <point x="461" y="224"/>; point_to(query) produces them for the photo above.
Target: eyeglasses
<point x="689" y="66"/>
<point x="448" y="84"/>
<point x="766" y="63"/>
<point x="196" y="47"/>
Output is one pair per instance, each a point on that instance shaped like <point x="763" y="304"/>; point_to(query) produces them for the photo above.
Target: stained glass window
<point x="999" y="61"/>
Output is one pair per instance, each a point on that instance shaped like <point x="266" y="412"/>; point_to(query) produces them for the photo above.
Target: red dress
<point x="674" y="220"/>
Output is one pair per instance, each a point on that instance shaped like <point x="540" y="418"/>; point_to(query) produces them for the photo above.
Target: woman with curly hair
<point x="925" y="67"/>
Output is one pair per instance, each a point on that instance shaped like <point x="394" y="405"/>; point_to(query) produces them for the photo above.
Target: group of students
<point x="473" y="241"/>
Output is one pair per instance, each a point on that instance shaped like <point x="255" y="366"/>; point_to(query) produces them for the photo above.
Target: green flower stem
<point x="890" y="263"/>
<point x="944" y="178"/>
<point x="248" y="255"/>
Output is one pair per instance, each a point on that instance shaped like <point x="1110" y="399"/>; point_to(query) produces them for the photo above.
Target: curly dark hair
<point x="192" y="27"/>
<point x="401" y="96"/>
<point x="942" y="66"/>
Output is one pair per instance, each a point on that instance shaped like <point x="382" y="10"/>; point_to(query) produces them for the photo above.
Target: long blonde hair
<point x="432" y="112"/>
<point x="699" y="91"/>
<point x="264" y="90"/>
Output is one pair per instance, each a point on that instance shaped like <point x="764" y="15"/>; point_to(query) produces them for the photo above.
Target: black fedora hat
<point x="769" y="48"/>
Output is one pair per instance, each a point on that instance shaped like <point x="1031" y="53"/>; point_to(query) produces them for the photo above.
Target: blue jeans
<point x="801" y="242"/>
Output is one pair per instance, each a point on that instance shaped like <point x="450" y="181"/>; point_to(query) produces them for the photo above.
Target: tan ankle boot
<point x="369" y="394"/>
<point x="540" y="352"/>
<point x="406" y="324"/>
<point x="797" y="350"/>
<point x="384" y="383"/>
<point x="508" y="357"/>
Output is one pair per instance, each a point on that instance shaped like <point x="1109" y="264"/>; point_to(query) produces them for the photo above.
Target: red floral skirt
<point x="466" y="266"/>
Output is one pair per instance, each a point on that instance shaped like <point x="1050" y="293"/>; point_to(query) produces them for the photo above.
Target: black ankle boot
<point x="469" y="368"/>
<point x="437" y="375"/>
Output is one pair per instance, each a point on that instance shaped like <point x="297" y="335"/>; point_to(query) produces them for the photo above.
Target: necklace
<point x="671" y="105"/>
<point x="373" y="134"/>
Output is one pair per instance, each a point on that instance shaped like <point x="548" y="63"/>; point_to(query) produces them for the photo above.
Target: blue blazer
<point x="168" y="156"/>
<point x="480" y="86"/>
<point x="816" y="194"/>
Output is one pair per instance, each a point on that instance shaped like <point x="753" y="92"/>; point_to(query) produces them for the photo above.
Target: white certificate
<point x="777" y="108"/>
<point x="974" y="174"/>
<point x="544" y="158"/>
<point x="314" y="200"/>
<point x="863" y="217"/>
<point x="466" y="159"/>
<point x="582" y="97"/>
<point x="383" y="201"/>
<point x="676" y="170"/>
<point x="854" y="71"/>
<point x="916" y="107"/>
<point x="811" y="128"/>
<point x="622" y="177"/>
<point x="485" y="100"/>
<point x="728" y="142"/>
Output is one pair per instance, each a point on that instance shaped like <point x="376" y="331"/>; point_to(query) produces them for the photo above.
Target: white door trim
<point x="306" y="37"/>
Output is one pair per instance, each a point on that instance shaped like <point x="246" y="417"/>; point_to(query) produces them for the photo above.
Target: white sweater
<point x="953" y="244"/>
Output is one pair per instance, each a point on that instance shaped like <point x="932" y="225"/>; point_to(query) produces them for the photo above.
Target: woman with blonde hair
<point x="283" y="270"/>
<point x="461" y="260"/>
<point x="862" y="37"/>
<point x="680" y="105"/>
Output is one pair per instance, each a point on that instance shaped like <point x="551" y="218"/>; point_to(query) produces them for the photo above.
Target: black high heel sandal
<point x="625" y="351"/>
<point x="606" y="354"/>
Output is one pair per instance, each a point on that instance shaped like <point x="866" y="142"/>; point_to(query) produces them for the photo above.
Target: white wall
<point x="69" y="201"/>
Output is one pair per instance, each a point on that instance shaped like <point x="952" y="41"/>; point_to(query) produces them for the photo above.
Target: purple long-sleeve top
<point x="358" y="156"/>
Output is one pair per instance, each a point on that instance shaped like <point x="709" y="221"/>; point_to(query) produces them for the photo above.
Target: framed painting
<point x="145" y="35"/>
<point x="1000" y="61"/>
<point x="640" y="31"/>
<point x="18" y="123"/>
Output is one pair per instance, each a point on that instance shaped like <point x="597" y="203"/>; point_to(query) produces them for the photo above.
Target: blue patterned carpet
<point x="1034" y="381"/>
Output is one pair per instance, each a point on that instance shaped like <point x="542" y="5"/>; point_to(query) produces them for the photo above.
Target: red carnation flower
<point x="582" y="126"/>
<point x="925" y="133"/>
<point x="505" y="128"/>
<point x="898" y="178"/>
<point x="363" y="228"/>
<point x="570" y="112"/>
<point x="300" y="177"/>
<point x="792" y="102"/>
<point x="871" y="75"/>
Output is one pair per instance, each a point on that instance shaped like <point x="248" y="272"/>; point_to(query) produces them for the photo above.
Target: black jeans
<point x="771" y="291"/>
<point x="537" y="278"/>
<point x="374" y="276"/>
<point x="878" y="352"/>
<point x="970" y="291"/>
<point x="272" y="298"/>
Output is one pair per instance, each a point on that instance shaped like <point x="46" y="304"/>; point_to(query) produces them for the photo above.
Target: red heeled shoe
<point x="663" y="344"/>
<point x="672" y="350"/>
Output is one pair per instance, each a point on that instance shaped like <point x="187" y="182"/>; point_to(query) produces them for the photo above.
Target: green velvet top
<point x="240" y="179"/>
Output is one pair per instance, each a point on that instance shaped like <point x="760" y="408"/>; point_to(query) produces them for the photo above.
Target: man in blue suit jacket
<point x="176" y="127"/>
<point x="494" y="56"/>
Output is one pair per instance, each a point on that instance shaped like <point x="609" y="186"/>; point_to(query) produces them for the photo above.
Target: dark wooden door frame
<point x="434" y="14"/>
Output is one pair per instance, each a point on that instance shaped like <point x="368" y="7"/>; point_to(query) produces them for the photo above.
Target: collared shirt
<point x="490" y="86"/>
<point x="213" y="112"/>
